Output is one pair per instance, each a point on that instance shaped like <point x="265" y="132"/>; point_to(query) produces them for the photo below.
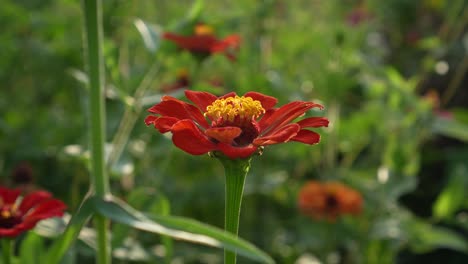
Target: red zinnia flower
<point x="328" y="200"/>
<point x="236" y="126"/>
<point x="205" y="42"/>
<point x="20" y="215"/>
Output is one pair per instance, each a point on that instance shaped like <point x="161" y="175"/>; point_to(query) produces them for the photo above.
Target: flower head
<point x="19" y="214"/>
<point x="236" y="126"/>
<point x="328" y="200"/>
<point x="204" y="42"/>
<point x="358" y="15"/>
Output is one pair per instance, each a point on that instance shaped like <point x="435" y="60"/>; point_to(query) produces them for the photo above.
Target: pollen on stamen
<point x="233" y="109"/>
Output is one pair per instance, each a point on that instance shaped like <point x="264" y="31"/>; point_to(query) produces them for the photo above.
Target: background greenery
<point x="369" y="62"/>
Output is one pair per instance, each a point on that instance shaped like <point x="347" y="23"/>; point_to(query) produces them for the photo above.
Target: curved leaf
<point x="450" y="128"/>
<point x="61" y="245"/>
<point x="149" y="33"/>
<point x="178" y="228"/>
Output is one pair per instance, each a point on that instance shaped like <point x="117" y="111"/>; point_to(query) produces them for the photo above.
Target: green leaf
<point x="148" y="200"/>
<point x="460" y="114"/>
<point x="450" y="128"/>
<point x="195" y="10"/>
<point x="425" y="237"/>
<point x="178" y="228"/>
<point x="32" y="249"/>
<point x="61" y="245"/>
<point x="452" y="196"/>
<point x="151" y="34"/>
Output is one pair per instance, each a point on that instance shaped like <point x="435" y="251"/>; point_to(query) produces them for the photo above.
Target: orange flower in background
<point x="236" y="126"/>
<point x="204" y="42"/>
<point x="19" y="214"/>
<point x="328" y="200"/>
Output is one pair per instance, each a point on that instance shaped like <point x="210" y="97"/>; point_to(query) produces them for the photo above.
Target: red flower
<point x="235" y="126"/>
<point x="328" y="200"/>
<point x="205" y="42"/>
<point x="358" y="15"/>
<point x="20" y="215"/>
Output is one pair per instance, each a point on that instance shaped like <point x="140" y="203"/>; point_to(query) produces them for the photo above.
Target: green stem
<point x="236" y="170"/>
<point x="93" y="56"/>
<point x="7" y="248"/>
<point x="130" y="117"/>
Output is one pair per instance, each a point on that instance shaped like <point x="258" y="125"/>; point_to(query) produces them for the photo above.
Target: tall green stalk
<point x="92" y="11"/>
<point x="236" y="170"/>
<point x="7" y="250"/>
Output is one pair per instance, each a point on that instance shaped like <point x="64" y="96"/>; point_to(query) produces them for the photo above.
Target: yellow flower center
<point x="234" y="110"/>
<point x="5" y="214"/>
<point x="202" y="30"/>
<point x="8" y="211"/>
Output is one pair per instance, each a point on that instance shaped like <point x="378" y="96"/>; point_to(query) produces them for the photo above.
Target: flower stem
<point x="236" y="170"/>
<point x="7" y="248"/>
<point x="92" y="11"/>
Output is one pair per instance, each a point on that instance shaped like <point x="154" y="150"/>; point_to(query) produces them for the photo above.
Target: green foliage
<point x="370" y="63"/>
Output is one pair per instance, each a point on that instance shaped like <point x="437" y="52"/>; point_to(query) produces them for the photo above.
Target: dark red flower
<point x="236" y="126"/>
<point x="22" y="174"/>
<point x="358" y="15"/>
<point x="328" y="200"/>
<point x="19" y="214"/>
<point x="204" y="42"/>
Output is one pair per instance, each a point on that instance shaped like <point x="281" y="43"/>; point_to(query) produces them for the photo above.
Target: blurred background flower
<point x="328" y="200"/>
<point x="19" y="214"/>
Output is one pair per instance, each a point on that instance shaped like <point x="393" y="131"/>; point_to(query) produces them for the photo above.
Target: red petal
<point x="307" y="137"/>
<point x="150" y="119"/>
<point x="268" y="113"/>
<point x="223" y="134"/>
<point x="284" y="115"/>
<point x="231" y="94"/>
<point x="203" y="43"/>
<point x="267" y="101"/>
<point x="188" y="137"/>
<point x="313" y="122"/>
<point x="33" y="199"/>
<point x="200" y="99"/>
<point x="173" y="107"/>
<point x="9" y="196"/>
<point x="47" y="209"/>
<point x="165" y="123"/>
<point x="284" y="134"/>
<point x="231" y="41"/>
<point x="236" y="152"/>
<point x="9" y="232"/>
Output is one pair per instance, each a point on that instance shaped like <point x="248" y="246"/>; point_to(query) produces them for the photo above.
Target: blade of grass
<point x="61" y="245"/>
